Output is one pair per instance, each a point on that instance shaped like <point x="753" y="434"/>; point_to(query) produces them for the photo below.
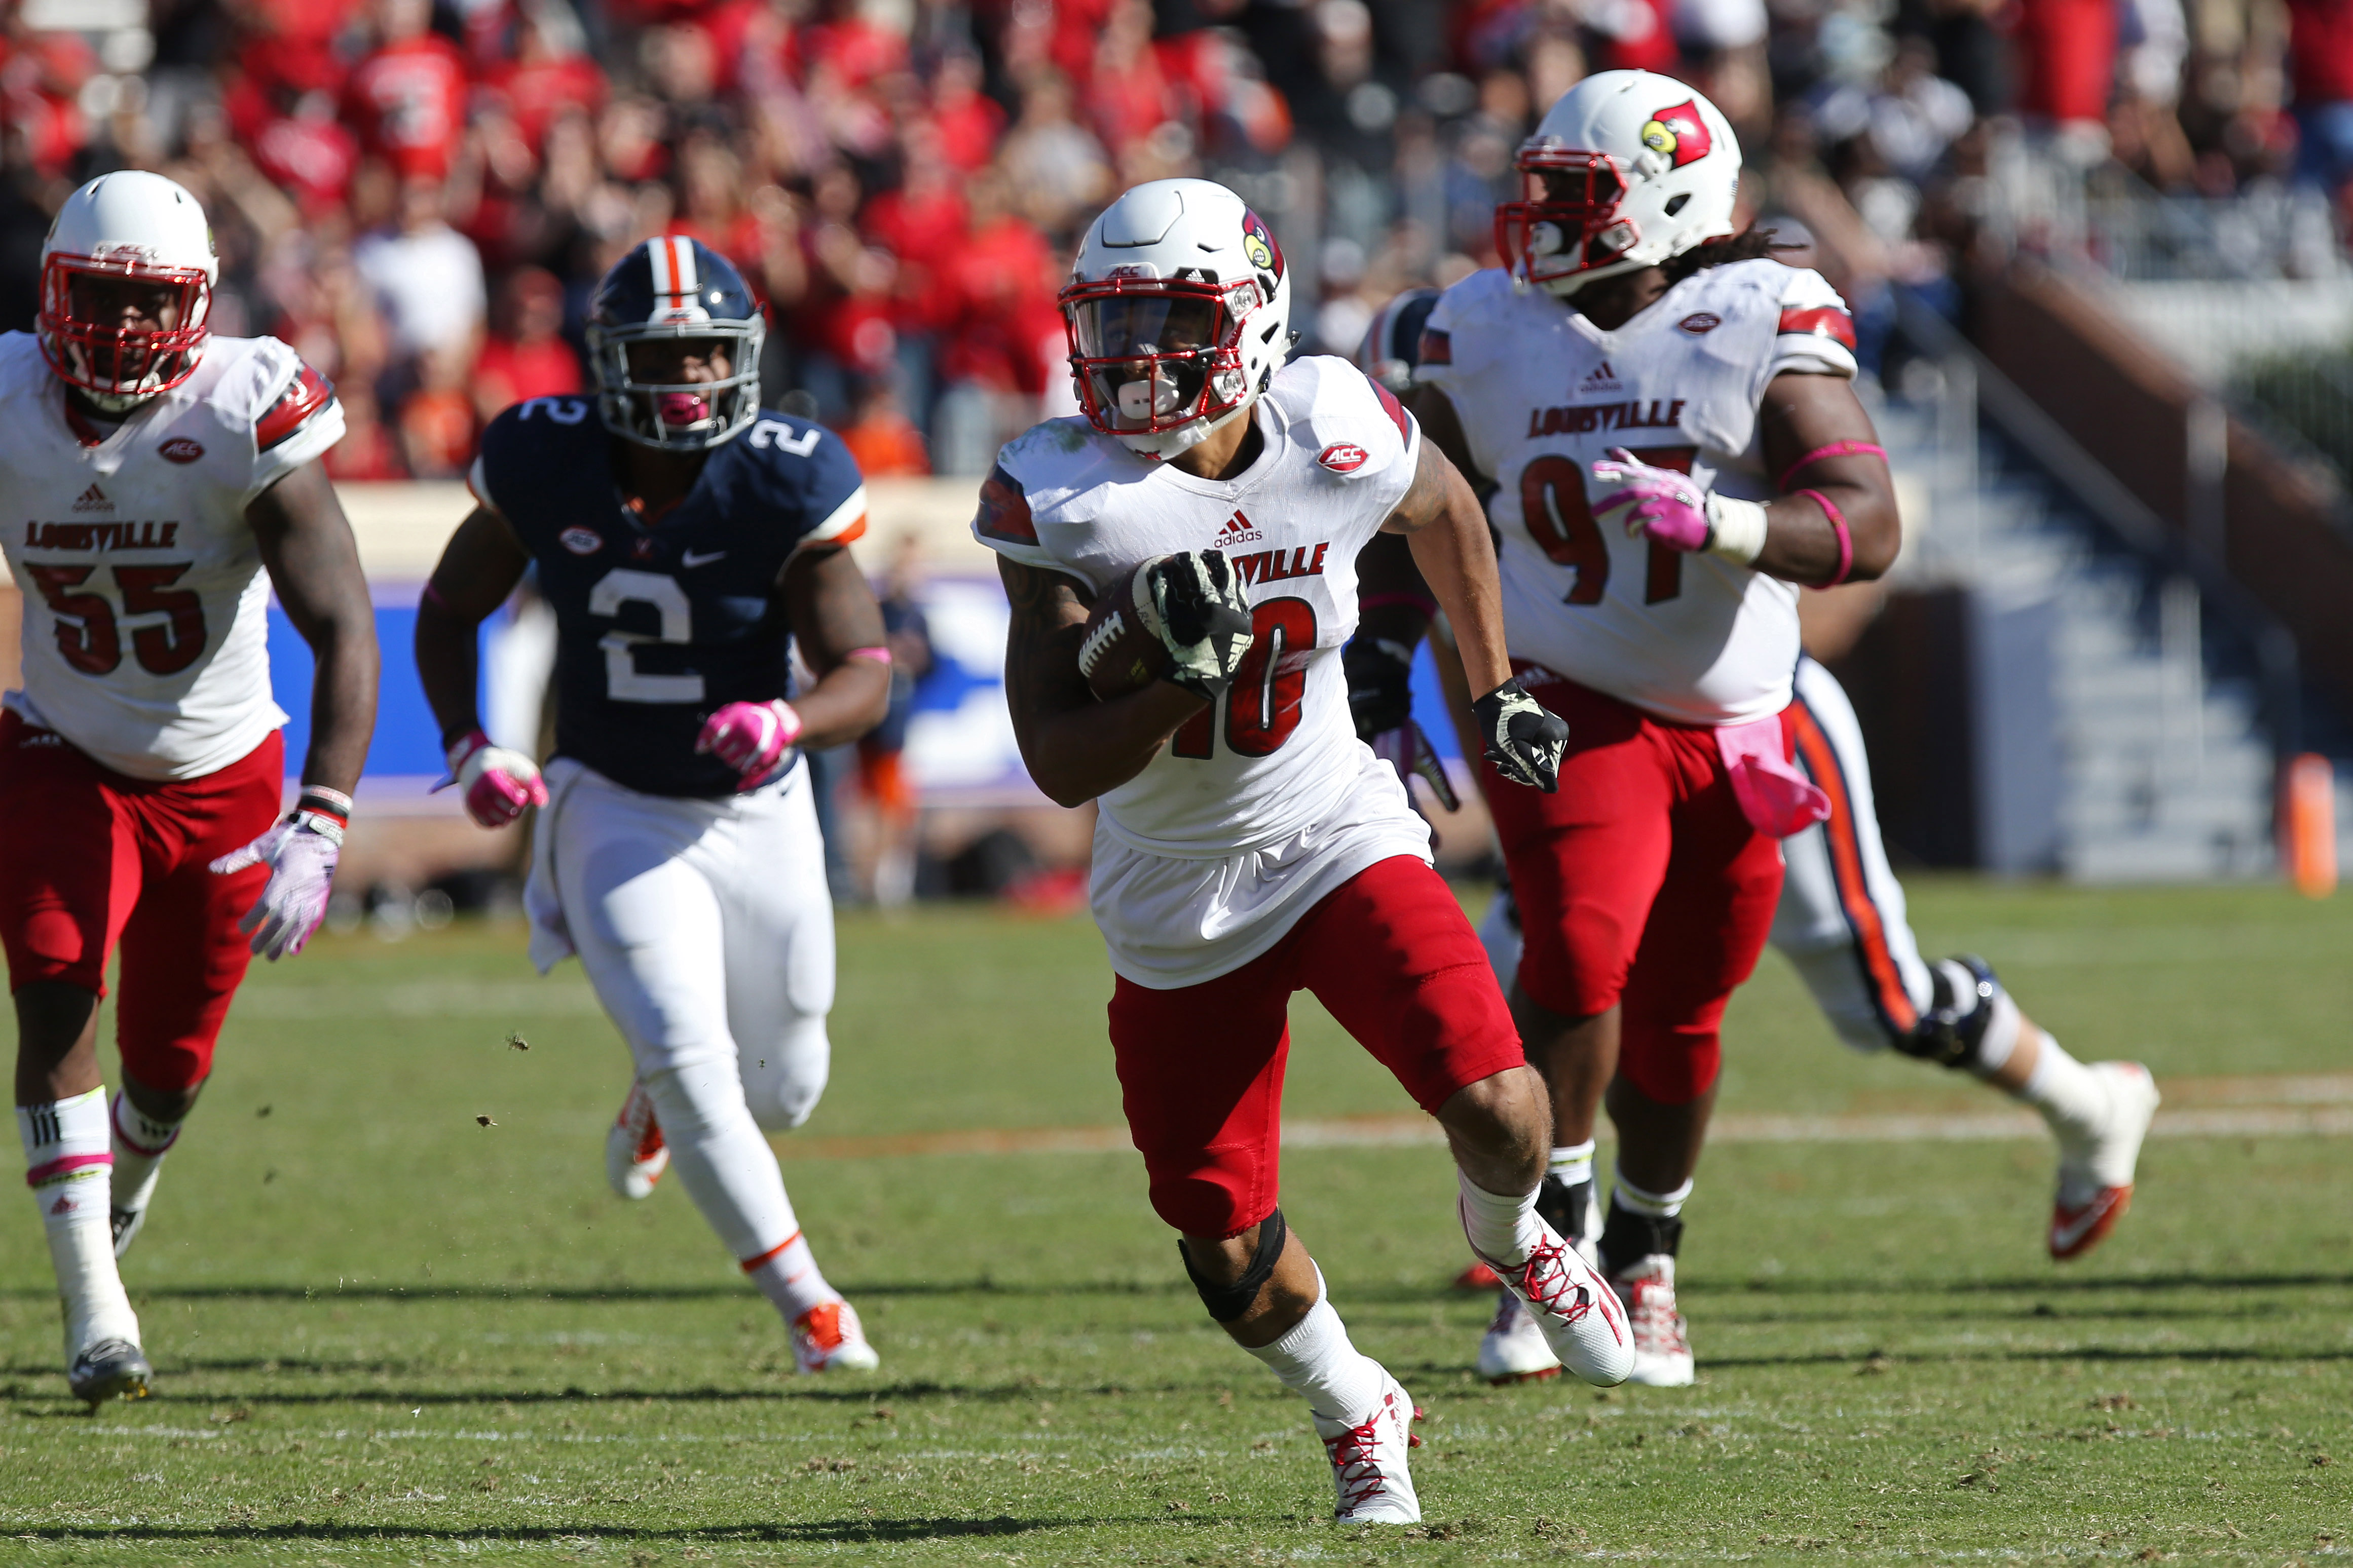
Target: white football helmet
<point x="137" y="229"/>
<point x="1178" y="310"/>
<point x="1626" y="170"/>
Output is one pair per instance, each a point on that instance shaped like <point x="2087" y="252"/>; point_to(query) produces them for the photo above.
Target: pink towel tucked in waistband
<point x="1777" y="799"/>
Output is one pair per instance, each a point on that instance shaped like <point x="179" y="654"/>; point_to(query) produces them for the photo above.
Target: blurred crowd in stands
<point x="420" y="194"/>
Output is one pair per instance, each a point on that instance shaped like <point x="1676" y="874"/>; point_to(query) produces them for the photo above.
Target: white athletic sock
<point x="67" y="1165"/>
<point x="2070" y="1100"/>
<point x="1658" y="1205"/>
<point x="789" y="1276"/>
<point x="725" y="1164"/>
<point x="1999" y="1037"/>
<point x="140" y="1143"/>
<point x="1316" y="1361"/>
<point x="1572" y="1164"/>
<point x="1502" y="1229"/>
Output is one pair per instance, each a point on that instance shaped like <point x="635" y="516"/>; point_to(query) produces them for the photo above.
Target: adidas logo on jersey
<point x="92" y="500"/>
<point x="1238" y="530"/>
<point x="1603" y="379"/>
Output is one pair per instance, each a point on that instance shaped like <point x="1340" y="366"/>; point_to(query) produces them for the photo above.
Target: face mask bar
<point x="1155" y="354"/>
<point x="119" y="364"/>
<point x="677" y="417"/>
<point x="1567" y="219"/>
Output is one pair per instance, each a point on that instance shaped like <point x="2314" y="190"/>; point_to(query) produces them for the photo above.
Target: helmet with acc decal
<point x="1178" y="310"/>
<point x="667" y="289"/>
<point x="121" y="237"/>
<point x="1628" y="169"/>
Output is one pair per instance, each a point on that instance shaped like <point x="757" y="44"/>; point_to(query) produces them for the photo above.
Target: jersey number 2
<point x="88" y="636"/>
<point x="624" y="681"/>
<point x="1552" y="500"/>
<point x="1262" y="704"/>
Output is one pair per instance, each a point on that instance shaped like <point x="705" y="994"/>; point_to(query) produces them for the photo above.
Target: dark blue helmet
<point x="668" y="288"/>
<point x="1392" y="345"/>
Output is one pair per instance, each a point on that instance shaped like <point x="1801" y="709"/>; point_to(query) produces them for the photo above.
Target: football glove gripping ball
<point x="498" y="783"/>
<point x="752" y="738"/>
<point x="1192" y="604"/>
<point x="1522" y="740"/>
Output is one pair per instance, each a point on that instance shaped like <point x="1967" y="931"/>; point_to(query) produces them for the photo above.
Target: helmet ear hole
<point x="1677" y="204"/>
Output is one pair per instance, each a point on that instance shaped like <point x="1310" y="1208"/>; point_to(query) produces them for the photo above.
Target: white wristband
<point x="1735" y="528"/>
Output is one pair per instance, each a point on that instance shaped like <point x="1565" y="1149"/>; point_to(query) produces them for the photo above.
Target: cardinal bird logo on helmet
<point x="1259" y="245"/>
<point x="1679" y="133"/>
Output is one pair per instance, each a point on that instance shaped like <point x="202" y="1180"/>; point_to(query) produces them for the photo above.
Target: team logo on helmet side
<point x="1679" y="134"/>
<point x="1257" y="244"/>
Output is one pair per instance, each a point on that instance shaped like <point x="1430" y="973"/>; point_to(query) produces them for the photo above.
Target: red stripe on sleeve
<point x="1828" y="321"/>
<point x="1004" y="509"/>
<point x="1393" y="408"/>
<point x="310" y="393"/>
<point x="1437" y="347"/>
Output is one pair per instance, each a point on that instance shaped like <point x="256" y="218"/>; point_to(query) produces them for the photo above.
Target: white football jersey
<point x="146" y="637"/>
<point x="1544" y="393"/>
<point x="1266" y="800"/>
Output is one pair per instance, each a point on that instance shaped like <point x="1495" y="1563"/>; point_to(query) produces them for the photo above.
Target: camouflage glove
<point x="1522" y="740"/>
<point x="1192" y="603"/>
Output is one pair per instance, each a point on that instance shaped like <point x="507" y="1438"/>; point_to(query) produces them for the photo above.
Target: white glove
<point x="301" y="853"/>
<point x="498" y="783"/>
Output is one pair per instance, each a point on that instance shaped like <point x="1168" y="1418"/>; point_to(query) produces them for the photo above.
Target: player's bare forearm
<point x="314" y="564"/>
<point x="831" y="609"/>
<point x="1801" y="415"/>
<point x="1447" y="533"/>
<point x="479" y="568"/>
<point x="1076" y="747"/>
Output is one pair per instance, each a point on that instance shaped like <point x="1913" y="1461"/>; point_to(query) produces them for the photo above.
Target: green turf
<point x="388" y="1333"/>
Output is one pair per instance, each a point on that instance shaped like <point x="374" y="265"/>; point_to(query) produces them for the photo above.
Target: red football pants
<point x="1641" y="883"/>
<point x="1389" y="952"/>
<point x="91" y="860"/>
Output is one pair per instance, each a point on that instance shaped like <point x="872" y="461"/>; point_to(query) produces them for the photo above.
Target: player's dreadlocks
<point x="1751" y="244"/>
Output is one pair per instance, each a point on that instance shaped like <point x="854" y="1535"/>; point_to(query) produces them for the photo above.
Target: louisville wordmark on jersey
<point x="146" y="635"/>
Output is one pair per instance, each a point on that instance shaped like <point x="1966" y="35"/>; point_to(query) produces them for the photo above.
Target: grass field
<point x="385" y="1333"/>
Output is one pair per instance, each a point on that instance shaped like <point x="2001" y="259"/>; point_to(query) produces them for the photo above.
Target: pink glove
<point x="752" y="738"/>
<point x="498" y="782"/>
<point x="301" y="853"/>
<point x="1668" y="506"/>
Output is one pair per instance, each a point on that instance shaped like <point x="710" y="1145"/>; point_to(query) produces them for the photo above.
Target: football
<point x="1118" y="655"/>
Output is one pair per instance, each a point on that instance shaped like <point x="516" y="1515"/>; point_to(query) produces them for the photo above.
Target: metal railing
<point x="2082" y="481"/>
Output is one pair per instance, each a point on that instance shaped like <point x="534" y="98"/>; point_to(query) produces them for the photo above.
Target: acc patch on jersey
<point x="180" y="450"/>
<point x="1344" y="456"/>
<point x="1700" y="322"/>
<point x="582" y="541"/>
<point x="1679" y="133"/>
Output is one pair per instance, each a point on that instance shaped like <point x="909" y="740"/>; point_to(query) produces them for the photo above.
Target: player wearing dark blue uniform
<point x="686" y="540"/>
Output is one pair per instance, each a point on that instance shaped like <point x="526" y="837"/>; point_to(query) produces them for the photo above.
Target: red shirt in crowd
<point x="2320" y="51"/>
<point x="408" y="101"/>
<point x="922" y="227"/>
<point x="509" y="372"/>
<point x="2066" y="55"/>
<point x="1000" y="279"/>
<point x="538" y="90"/>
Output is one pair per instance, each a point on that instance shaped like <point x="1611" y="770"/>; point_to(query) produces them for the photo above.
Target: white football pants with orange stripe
<point x="1841" y="920"/>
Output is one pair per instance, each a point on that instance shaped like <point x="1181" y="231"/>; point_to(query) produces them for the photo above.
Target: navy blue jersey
<point x="660" y="625"/>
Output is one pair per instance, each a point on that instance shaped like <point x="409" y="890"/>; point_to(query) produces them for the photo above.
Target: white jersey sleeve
<point x="1816" y="334"/>
<point x="291" y="409"/>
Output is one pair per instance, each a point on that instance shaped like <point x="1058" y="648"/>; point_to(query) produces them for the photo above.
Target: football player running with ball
<point x="686" y="540"/>
<point x="169" y="481"/>
<point x="1180" y="562"/>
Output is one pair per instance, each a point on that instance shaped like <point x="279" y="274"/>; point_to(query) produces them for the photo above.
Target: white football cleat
<point x="1514" y="1350"/>
<point x="1575" y="1309"/>
<point x="1370" y="1477"/>
<point x="126" y="1224"/>
<point x="635" y="1155"/>
<point x="828" y="1338"/>
<point x="1663" y="1352"/>
<point x="2095" y="1181"/>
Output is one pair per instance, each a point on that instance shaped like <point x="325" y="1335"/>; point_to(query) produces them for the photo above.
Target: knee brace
<point x="1227" y="1302"/>
<point x="1971" y="1024"/>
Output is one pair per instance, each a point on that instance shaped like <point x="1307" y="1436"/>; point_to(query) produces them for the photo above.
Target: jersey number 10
<point x="1262" y="704"/>
<point x="1553" y="504"/>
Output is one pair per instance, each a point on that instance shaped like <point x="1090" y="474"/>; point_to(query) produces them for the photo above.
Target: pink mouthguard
<point x="682" y="407"/>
